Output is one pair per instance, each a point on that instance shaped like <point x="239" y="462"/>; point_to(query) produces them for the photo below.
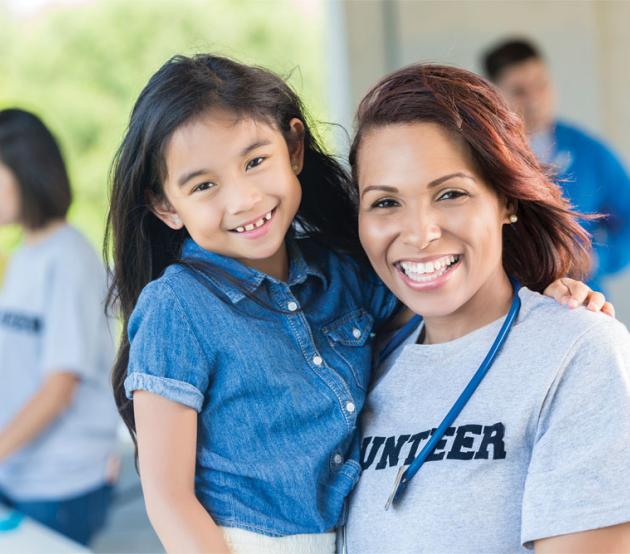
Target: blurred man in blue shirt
<point x="592" y="175"/>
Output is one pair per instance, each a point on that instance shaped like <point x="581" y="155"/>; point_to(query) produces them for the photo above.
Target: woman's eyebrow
<point x="445" y="178"/>
<point x="378" y="187"/>
<point x="433" y="183"/>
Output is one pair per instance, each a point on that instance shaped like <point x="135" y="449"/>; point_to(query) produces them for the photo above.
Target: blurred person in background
<point x="57" y="415"/>
<point x="592" y="176"/>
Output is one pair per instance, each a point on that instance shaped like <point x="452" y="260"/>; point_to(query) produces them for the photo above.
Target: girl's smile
<point x="257" y="227"/>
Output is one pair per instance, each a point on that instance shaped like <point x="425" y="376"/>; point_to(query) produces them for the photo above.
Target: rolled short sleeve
<point x="165" y="355"/>
<point x="579" y="474"/>
<point x="74" y="317"/>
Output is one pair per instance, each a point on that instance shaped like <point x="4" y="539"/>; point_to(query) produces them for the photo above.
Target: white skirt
<point x="246" y="542"/>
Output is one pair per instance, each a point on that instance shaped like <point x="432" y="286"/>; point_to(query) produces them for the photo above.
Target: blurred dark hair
<point x="506" y="54"/>
<point x="547" y="242"/>
<point x="32" y="154"/>
<point x="182" y="89"/>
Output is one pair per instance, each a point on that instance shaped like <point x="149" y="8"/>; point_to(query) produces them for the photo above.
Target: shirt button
<point x="292" y="306"/>
<point x="350" y="407"/>
<point x="317" y="360"/>
<point x="338" y="459"/>
<point x="356" y="333"/>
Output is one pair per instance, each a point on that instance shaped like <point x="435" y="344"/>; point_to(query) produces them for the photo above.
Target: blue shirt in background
<point x="595" y="181"/>
<point x="278" y="382"/>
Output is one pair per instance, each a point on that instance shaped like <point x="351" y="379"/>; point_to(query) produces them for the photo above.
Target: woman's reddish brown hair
<point x="547" y="242"/>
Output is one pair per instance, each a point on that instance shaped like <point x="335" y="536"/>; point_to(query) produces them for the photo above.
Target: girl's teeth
<point x="256" y="224"/>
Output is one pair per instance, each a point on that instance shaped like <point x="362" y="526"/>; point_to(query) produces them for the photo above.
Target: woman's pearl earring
<point x="513" y="218"/>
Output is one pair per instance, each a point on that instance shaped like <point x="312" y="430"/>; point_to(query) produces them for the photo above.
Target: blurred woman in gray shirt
<point x="57" y="417"/>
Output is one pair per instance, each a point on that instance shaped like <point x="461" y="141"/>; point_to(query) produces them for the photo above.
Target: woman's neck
<point x="488" y="304"/>
<point x="33" y="236"/>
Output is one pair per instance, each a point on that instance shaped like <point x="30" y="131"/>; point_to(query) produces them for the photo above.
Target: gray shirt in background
<point x="52" y="319"/>
<point x="541" y="449"/>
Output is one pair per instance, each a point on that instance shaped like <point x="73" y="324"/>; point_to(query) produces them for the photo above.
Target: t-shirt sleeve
<point x="73" y="320"/>
<point x="579" y="473"/>
<point x="165" y="355"/>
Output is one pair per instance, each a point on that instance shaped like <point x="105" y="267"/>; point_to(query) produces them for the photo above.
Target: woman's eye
<point x="254" y="163"/>
<point x="385" y="203"/>
<point x="203" y="186"/>
<point x="451" y="195"/>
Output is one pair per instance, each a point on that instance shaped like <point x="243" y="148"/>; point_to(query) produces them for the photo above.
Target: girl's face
<point x="429" y="224"/>
<point x="232" y="183"/>
<point x="9" y="197"/>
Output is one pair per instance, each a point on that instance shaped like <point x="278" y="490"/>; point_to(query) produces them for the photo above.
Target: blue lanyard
<point x="398" y="338"/>
<point x="404" y="476"/>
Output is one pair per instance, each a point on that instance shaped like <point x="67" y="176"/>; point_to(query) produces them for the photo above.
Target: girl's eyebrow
<point x="197" y="172"/>
<point x="433" y="183"/>
<point x="254" y="145"/>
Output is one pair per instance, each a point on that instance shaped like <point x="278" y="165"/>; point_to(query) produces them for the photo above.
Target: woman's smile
<point x="431" y="273"/>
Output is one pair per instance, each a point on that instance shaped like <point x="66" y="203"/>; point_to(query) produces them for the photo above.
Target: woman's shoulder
<point x="573" y="328"/>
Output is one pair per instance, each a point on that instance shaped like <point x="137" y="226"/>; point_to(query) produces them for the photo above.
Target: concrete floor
<point x="128" y="530"/>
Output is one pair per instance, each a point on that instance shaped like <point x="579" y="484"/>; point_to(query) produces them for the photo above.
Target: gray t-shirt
<point x="541" y="449"/>
<point x="52" y="319"/>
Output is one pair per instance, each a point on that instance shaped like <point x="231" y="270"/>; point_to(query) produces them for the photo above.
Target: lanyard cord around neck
<point x="404" y="476"/>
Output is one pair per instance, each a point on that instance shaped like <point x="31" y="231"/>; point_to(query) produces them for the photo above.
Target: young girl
<point x="454" y="206"/>
<point x="57" y="419"/>
<point x="249" y="348"/>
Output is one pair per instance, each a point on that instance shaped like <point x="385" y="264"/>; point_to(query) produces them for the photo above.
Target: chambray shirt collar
<point x="249" y="279"/>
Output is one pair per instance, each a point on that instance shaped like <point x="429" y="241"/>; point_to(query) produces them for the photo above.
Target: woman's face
<point x="430" y="225"/>
<point x="9" y="197"/>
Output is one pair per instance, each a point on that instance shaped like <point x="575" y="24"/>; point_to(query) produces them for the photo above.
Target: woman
<point x="456" y="215"/>
<point x="57" y="417"/>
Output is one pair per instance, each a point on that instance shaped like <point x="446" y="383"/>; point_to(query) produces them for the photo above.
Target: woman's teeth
<point x="256" y="224"/>
<point x="419" y="271"/>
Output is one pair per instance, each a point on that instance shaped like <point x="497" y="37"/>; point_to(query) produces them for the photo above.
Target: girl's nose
<point x="242" y="198"/>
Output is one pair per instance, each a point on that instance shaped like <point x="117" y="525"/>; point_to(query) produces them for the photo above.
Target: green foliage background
<point x="80" y="67"/>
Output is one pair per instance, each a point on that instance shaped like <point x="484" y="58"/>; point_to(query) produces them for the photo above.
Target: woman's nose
<point x="420" y="229"/>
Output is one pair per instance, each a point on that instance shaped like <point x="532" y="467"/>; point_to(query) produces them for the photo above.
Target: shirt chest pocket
<point x="350" y="337"/>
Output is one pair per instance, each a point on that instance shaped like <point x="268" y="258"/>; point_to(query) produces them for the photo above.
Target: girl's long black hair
<point x="138" y="246"/>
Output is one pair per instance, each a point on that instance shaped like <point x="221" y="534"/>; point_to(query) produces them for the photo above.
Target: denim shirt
<point x="278" y="383"/>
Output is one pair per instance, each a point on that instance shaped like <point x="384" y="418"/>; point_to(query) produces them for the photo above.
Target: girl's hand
<point x="576" y="293"/>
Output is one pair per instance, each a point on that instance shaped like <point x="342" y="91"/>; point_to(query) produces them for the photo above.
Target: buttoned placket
<point x="283" y="296"/>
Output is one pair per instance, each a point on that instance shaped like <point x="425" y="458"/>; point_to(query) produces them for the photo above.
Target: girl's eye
<point x="451" y="195"/>
<point x="254" y="163"/>
<point x="385" y="203"/>
<point x="203" y="186"/>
